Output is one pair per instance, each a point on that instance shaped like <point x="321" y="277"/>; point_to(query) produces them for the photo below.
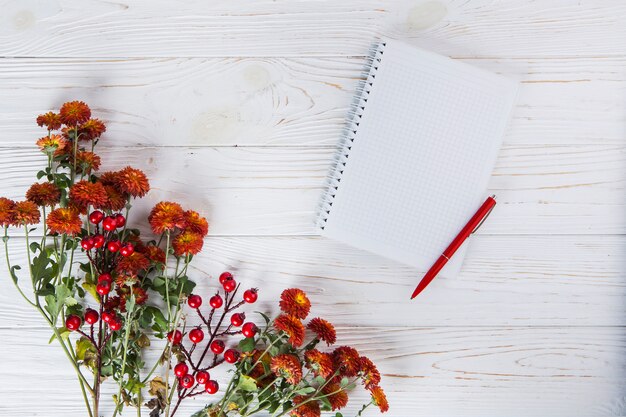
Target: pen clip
<point x="484" y="218"/>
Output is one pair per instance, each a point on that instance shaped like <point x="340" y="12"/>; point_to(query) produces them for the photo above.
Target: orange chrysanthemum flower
<point x="369" y="372"/>
<point x="133" y="181"/>
<point x="294" y="301"/>
<point x="91" y="129"/>
<point x="44" y="194"/>
<point x="292" y="326"/>
<point x="7" y="214"/>
<point x="305" y="408"/>
<point x="64" y="220"/>
<point x="380" y="399"/>
<point x="73" y="113"/>
<point x="187" y="243"/>
<point x="346" y="359"/>
<point x="87" y="193"/>
<point x="51" y="120"/>
<point x="133" y="264"/>
<point x="109" y="178"/>
<point x="154" y="253"/>
<point x="166" y="216"/>
<point x="323" y="330"/>
<point x="54" y="145"/>
<point x="287" y="366"/>
<point x="87" y="162"/>
<point x="196" y="223"/>
<point x="141" y="296"/>
<point x="115" y="200"/>
<point x="319" y="362"/>
<point x="124" y="281"/>
<point x="25" y="213"/>
<point x="337" y="397"/>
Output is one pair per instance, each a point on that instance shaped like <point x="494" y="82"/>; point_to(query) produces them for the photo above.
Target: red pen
<point x="471" y="226"/>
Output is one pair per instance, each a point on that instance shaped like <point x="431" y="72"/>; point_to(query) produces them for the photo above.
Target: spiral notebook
<point x="416" y="156"/>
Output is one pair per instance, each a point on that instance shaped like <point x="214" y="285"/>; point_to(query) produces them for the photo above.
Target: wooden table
<point x="235" y="107"/>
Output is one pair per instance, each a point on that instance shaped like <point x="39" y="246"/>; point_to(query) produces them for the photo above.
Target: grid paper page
<point x="421" y="158"/>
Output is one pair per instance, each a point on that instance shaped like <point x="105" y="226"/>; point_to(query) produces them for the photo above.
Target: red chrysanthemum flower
<point x="7" y="214"/>
<point x="336" y="396"/>
<point x="258" y="371"/>
<point x="187" y="243"/>
<point x="292" y="326"/>
<point x="287" y="366"/>
<point x="51" y="120"/>
<point x="73" y="113"/>
<point x="369" y="372"/>
<point x="115" y="200"/>
<point x="166" y="216"/>
<point x="346" y="359"/>
<point x="109" y="178"/>
<point x="196" y="223"/>
<point x="91" y="129"/>
<point x="294" y="301"/>
<point x="305" y="407"/>
<point x="132" y="181"/>
<point x="380" y="399"/>
<point x="87" y="162"/>
<point x="64" y="220"/>
<point x="133" y="264"/>
<point x="54" y="145"/>
<point x="77" y="207"/>
<point x="323" y="330"/>
<point x="25" y="213"/>
<point x="44" y="194"/>
<point x="319" y="362"/>
<point x="112" y="303"/>
<point x="124" y="281"/>
<point x="154" y="253"/>
<point x="87" y="193"/>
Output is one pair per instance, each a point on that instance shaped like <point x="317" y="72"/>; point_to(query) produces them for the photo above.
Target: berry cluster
<point x="193" y="373"/>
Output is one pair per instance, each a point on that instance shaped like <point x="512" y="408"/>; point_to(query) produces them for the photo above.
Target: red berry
<point x="250" y="295"/>
<point x="229" y="285"/>
<point x="194" y="301"/>
<point x="175" y="337"/>
<point x="104" y="277"/>
<point x="216" y="301"/>
<point x="127" y="250"/>
<point x="217" y="346"/>
<point x="91" y="316"/>
<point x="196" y="336"/>
<point x="212" y="386"/>
<point x="249" y="329"/>
<point x="109" y="224"/>
<point x="107" y="316"/>
<point x="181" y="369"/>
<point x="73" y="322"/>
<point x="120" y="220"/>
<point x="225" y="276"/>
<point x="231" y="356"/>
<point x="237" y="319"/>
<point x="114" y="246"/>
<point x="96" y="217"/>
<point x="187" y="381"/>
<point x="115" y="325"/>
<point x="98" y="241"/>
<point x="202" y="377"/>
<point x="103" y="287"/>
<point x="87" y="243"/>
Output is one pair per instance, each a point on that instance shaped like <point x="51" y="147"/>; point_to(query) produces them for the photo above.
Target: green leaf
<point x="247" y="383"/>
<point x="12" y="271"/>
<point x="91" y="289"/>
<point x="325" y="404"/>
<point x="63" y="332"/>
<point x="305" y="390"/>
<point x="247" y="345"/>
<point x="34" y="247"/>
<point x="265" y="317"/>
<point x="41" y="174"/>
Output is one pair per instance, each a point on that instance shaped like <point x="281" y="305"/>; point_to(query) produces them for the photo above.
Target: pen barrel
<point x="470" y="227"/>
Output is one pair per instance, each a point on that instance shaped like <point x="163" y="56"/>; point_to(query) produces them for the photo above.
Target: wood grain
<point x="482" y="371"/>
<point x="530" y="280"/>
<point x="276" y="191"/>
<point x="286" y="101"/>
<point x="298" y="27"/>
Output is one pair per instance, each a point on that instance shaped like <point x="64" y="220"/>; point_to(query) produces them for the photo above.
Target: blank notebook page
<point x="418" y="155"/>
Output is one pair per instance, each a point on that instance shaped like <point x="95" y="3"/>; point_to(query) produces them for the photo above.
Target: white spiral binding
<point x="350" y="132"/>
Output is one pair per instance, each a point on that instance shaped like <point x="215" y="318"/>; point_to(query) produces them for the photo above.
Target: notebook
<point x="416" y="156"/>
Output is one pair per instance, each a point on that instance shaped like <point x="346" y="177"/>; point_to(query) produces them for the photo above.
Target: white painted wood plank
<point x="278" y="101"/>
<point x="298" y="27"/>
<point x="275" y="191"/>
<point x="506" y="281"/>
<point x="436" y="372"/>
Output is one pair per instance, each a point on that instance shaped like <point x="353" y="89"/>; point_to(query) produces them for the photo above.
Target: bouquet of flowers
<point x="107" y="293"/>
